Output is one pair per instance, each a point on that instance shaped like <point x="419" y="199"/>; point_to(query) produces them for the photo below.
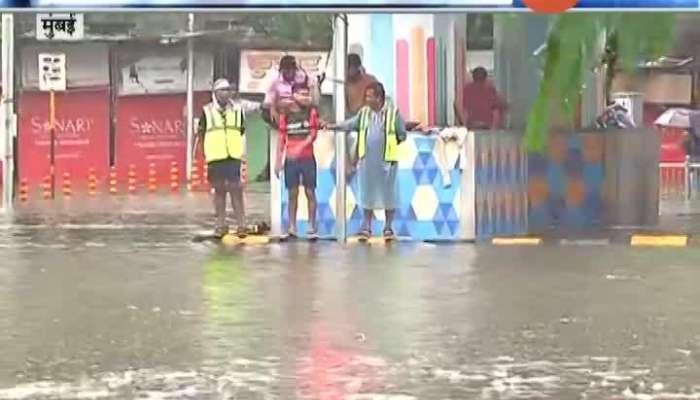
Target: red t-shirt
<point x="481" y="102"/>
<point x="295" y="129"/>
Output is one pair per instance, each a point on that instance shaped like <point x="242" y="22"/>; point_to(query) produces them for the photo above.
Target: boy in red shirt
<point x="298" y="127"/>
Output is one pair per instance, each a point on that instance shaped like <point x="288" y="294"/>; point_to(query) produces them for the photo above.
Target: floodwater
<point x="136" y="310"/>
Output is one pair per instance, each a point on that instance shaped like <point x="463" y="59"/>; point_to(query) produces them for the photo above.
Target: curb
<point x="523" y="241"/>
<point x="633" y="240"/>
<point x="659" y="240"/>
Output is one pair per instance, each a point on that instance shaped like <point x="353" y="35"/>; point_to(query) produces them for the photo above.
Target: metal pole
<point x="52" y="146"/>
<point x="687" y="180"/>
<point x="339" y="58"/>
<point x="8" y="62"/>
<point x="190" y="96"/>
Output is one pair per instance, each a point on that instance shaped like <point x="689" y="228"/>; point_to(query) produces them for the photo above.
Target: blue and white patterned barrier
<point x="498" y="190"/>
<point x="427" y="210"/>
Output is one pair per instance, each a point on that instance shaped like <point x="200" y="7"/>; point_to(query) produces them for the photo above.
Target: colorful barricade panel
<point x="428" y="208"/>
<point x="566" y="183"/>
<point x="501" y="185"/>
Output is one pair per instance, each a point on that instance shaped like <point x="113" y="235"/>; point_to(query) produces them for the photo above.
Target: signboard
<point x="152" y="130"/>
<point x="164" y="73"/>
<point x="52" y="72"/>
<point x="88" y="62"/>
<point x="260" y="68"/>
<point x="60" y="26"/>
<point x="82" y="135"/>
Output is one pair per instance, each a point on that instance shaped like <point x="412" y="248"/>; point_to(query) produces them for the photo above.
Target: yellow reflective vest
<point x="223" y="137"/>
<point x="391" y="144"/>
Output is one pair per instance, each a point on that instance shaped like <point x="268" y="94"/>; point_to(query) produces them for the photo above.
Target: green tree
<point x="573" y="48"/>
<point x="290" y="27"/>
<point x="316" y="28"/>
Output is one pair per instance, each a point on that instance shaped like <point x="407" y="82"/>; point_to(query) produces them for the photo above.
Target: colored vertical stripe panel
<point x="403" y="88"/>
<point x="381" y="51"/>
<point x="444" y="87"/>
<point x="460" y="69"/>
<point x="418" y="76"/>
<point x="430" y="47"/>
<point x="439" y="81"/>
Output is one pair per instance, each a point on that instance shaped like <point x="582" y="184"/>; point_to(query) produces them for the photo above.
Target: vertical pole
<point x="687" y="179"/>
<point x="190" y="96"/>
<point x="339" y="56"/>
<point x="275" y="187"/>
<point x="52" y="146"/>
<point x="8" y="62"/>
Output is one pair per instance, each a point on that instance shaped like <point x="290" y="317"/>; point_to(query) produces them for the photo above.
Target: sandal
<point x="389" y="234"/>
<point x="364" y="235"/>
<point x="221" y="231"/>
<point x="312" y="234"/>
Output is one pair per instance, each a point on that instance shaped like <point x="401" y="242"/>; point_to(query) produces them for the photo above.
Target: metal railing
<point x="679" y="180"/>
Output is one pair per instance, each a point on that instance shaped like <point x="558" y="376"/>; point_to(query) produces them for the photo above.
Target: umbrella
<point x="678" y="118"/>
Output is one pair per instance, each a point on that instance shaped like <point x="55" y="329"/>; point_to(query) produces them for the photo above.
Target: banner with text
<point x="81" y="134"/>
<point x="152" y="130"/>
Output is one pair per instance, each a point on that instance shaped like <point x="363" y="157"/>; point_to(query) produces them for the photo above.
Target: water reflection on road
<point x="140" y="311"/>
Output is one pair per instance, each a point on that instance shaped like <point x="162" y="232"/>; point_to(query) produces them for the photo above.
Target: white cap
<point x="222" y="84"/>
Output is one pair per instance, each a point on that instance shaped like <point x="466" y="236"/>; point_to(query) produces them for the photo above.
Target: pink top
<point x="283" y="89"/>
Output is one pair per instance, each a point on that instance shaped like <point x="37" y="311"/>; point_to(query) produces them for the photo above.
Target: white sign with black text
<point x="52" y="72"/>
<point x="60" y="27"/>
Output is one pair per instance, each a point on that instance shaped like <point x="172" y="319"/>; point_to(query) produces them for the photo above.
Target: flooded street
<point x="136" y="310"/>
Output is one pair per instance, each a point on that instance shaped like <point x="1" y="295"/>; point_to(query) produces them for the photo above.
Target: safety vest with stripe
<point x="391" y="144"/>
<point x="223" y="137"/>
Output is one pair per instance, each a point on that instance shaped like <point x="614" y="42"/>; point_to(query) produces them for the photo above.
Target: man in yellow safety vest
<point x="221" y="132"/>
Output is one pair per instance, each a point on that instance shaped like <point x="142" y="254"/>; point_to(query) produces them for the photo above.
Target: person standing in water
<point x="220" y="132"/>
<point x="380" y="130"/>
<point x="298" y="129"/>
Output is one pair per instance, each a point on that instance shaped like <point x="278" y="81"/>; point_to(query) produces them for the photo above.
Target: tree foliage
<point x="292" y="27"/>
<point x="574" y="47"/>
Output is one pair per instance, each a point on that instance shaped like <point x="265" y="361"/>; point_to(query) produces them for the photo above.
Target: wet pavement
<point x="93" y="308"/>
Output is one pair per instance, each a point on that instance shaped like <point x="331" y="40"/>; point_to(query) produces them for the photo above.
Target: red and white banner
<point x="152" y="130"/>
<point x="81" y="133"/>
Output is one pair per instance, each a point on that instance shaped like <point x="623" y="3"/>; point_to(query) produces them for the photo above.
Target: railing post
<point x="275" y="188"/>
<point x="687" y="178"/>
<point x="8" y="118"/>
<point x="339" y="58"/>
